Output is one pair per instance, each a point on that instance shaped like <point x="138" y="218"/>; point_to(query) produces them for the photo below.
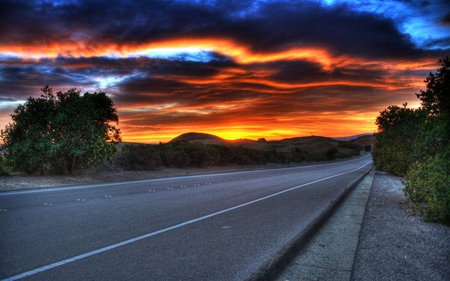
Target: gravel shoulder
<point x="394" y="245"/>
<point x="371" y="237"/>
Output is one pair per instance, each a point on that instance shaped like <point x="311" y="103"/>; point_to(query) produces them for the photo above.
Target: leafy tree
<point x="428" y="180"/>
<point x="61" y="132"/>
<point x="436" y="98"/>
<point x="415" y="143"/>
<point x="399" y="128"/>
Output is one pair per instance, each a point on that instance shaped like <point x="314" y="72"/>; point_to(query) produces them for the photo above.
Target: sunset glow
<point x="249" y="69"/>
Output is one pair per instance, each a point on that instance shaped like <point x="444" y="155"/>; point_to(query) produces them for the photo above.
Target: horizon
<point x="234" y="69"/>
<point x="344" y="138"/>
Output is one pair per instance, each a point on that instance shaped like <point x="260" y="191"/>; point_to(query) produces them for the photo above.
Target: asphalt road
<point x="207" y="227"/>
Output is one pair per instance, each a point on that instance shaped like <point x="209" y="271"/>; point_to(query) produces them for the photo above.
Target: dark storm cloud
<point x="266" y="27"/>
<point x="306" y="72"/>
<point x="338" y="28"/>
<point x="36" y="75"/>
<point x="446" y="20"/>
<point x="82" y="71"/>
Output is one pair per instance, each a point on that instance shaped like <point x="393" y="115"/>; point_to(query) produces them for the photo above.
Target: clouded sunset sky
<point x="236" y="69"/>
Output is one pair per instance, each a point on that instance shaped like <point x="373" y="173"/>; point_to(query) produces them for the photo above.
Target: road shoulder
<point x="394" y="245"/>
<point x="330" y="253"/>
<point x="381" y="242"/>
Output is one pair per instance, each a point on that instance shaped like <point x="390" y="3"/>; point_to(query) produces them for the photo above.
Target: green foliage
<point x="4" y="170"/>
<point x="61" y="133"/>
<point x="350" y="145"/>
<point x="436" y="98"/>
<point x="138" y="157"/>
<point x="181" y="154"/>
<point x="415" y="143"/>
<point x="400" y="129"/>
<point x="427" y="186"/>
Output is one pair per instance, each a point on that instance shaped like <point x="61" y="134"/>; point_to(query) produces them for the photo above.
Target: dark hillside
<point x="200" y="138"/>
<point x="199" y="149"/>
<point x="312" y="147"/>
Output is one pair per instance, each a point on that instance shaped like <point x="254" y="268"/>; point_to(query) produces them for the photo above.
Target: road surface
<point x="206" y="227"/>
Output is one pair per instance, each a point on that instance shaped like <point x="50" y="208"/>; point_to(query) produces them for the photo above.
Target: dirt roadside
<point x="394" y="245"/>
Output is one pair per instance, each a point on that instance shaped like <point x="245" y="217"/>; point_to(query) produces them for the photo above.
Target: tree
<point x="61" y="133"/>
<point x="427" y="182"/>
<point x="436" y="98"/>
<point x="399" y="130"/>
<point x="415" y="143"/>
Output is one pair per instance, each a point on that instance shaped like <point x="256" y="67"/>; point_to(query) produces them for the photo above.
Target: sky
<point x="236" y="69"/>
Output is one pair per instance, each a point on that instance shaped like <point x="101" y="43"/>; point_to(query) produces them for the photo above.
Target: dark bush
<point x="331" y="153"/>
<point x="138" y="157"/>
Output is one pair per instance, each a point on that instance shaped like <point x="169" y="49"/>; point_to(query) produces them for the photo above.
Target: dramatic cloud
<point x="238" y="69"/>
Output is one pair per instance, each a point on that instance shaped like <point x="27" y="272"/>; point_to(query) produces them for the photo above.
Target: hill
<point x="200" y="138"/>
<point x="200" y="149"/>
<point x="365" y="140"/>
<point x="310" y="144"/>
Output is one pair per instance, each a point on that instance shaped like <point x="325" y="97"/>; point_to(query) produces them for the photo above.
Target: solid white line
<point x="132" y="240"/>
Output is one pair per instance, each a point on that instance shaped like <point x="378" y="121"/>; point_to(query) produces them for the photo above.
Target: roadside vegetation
<point x="183" y="154"/>
<point x="415" y="144"/>
<point x="60" y="133"/>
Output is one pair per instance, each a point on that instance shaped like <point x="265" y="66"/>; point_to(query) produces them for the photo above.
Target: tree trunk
<point x="70" y="164"/>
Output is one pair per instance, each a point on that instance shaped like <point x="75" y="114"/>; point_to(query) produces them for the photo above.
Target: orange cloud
<point x="275" y="109"/>
<point x="238" y="52"/>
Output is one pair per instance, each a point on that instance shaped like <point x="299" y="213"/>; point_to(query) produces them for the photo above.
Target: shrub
<point x="138" y="157"/>
<point x="427" y="187"/>
<point x="331" y="153"/>
<point x="4" y="170"/>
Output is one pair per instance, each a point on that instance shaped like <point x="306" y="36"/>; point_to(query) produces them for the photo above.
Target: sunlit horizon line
<point x="252" y="137"/>
<point x="165" y="133"/>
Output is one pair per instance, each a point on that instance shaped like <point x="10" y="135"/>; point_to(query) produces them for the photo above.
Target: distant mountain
<point x="349" y="138"/>
<point x="312" y="144"/>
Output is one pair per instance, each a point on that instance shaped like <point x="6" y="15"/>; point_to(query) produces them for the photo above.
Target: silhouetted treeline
<point x="182" y="154"/>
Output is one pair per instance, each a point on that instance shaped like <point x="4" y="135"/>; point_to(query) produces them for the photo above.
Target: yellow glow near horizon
<point x="348" y="128"/>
